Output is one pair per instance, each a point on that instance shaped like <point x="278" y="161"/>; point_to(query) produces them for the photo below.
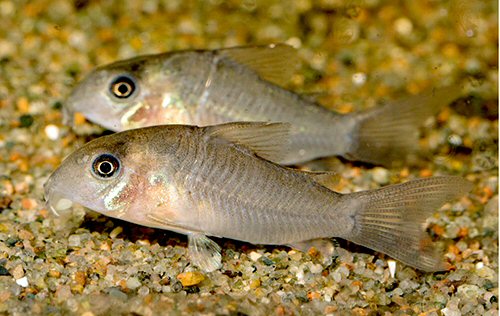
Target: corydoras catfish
<point x="218" y="181"/>
<point x="208" y="87"/>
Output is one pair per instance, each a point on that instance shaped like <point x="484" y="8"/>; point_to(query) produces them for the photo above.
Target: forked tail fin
<point x="389" y="133"/>
<point x="390" y="219"/>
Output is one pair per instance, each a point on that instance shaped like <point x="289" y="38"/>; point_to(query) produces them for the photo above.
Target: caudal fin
<point x="390" y="219"/>
<point x="389" y="133"/>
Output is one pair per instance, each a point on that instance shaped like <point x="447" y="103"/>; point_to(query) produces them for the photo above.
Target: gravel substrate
<point x="355" y="55"/>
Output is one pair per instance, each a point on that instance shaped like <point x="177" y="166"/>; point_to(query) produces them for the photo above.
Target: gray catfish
<point x="219" y="181"/>
<point x="207" y="87"/>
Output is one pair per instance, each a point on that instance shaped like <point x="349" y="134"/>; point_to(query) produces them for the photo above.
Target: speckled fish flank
<point x="217" y="181"/>
<point x="243" y="84"/>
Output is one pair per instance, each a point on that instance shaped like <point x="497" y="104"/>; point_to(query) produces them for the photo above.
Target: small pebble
<point x="403" y="26"/>
<point x="316" y="268"/>
<point x="380" y="175"/>
<point x="52" y="132"/>
<point x="74" y="241"/>
<point x="133" y="283"/>
<point x="392" y="267"/>
<point x="359" y="78"/>
<point x="4" y="271"/>
<point x="191" y="278"/>
<point x="254" y="256"/>
<point x="143" y="291"/>
<point x="54" y="273"/>
<point x="18" y="272"/>
<point x="22" y="282"/>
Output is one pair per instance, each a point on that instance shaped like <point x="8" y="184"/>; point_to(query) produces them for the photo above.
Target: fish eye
<point x="105" y="166"/>
<point x="122" y="86"/>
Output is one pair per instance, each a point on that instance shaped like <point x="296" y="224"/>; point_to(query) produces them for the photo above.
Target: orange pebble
<point x="54" y="273"/>
<point x="28" y="204"/>
<point x="488" y="192"/>
<point x="123" y="284"/>
<point x="191" y="278"/>
<point x="80" y="277"/>
<point x="23" y="105"/>
<point x="453" y="249"/>
<point x="438" y="230"/>
<point x="313" y="295"/>
<point x="78" y="118"/>
<point x="15" y="156"/>
<point x="463" y="232"/>
<point x="43" y="213"/>
<point x="425" y="173"/>
<point x="359" y="311"/>
<point x="404" y="173"/>
<point x="444" y="115"/>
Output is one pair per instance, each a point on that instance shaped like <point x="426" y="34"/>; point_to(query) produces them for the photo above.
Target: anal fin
<point x="324" y="246"/>
<point x="327" y="179"/>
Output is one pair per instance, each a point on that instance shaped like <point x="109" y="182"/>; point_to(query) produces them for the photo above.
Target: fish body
<point x="208" y="87"/>
<point x="214" y="181"/>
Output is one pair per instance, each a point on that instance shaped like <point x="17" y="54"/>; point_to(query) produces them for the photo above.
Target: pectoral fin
<point x="275" y="63"/>
<point x="204" y="252"/>
<point x="267" y="140"/>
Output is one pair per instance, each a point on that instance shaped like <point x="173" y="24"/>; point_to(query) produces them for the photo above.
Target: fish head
<point x="127" y="94"/>
<point x="107" y="175"/>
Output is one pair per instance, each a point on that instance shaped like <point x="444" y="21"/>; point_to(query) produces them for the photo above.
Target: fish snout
<point x="54" y="199"/>
<point x="68" y="116"/>
<point x="68" y="110"/>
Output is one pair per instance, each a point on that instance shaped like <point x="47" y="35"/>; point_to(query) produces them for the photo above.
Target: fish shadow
<point x="95" y="222"/>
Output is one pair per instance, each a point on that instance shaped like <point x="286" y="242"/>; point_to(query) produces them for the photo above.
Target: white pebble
<point x="300" y="276"/>
<point x="133" y="283"/>
<point x="52" y="132"/>
<point x="255" y="256"/>
<point x="336" y="276"/>
<point x="392" y="267"/>
<point x="403" y="26"/>
<point x="74" y="241"/>
<point x="294" y="42"/>
<point x="380" y="175"/>
<point x="450" y="312"/>
<point x="455" y="140"/>
<point x="22" y="282"/>
<point x="7" y="8"/>
<point x="359" y="78"/>
<point x="316" y="268"/>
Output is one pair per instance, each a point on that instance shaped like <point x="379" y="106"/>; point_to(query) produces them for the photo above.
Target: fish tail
<point x="390" y="133"/>
<point x="391" y="219"/>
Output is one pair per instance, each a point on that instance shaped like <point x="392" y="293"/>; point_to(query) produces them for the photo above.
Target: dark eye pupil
<point x="122" y="87"/>
<point x="105" y="166"/>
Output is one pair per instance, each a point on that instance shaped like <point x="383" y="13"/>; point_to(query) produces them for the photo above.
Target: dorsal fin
<point x="267" y="140"/>
<point x="275" y="63"/>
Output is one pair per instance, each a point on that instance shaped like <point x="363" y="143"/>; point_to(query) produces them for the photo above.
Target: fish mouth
<point x="54" y="199"/>
<point x="68" y="115"/>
